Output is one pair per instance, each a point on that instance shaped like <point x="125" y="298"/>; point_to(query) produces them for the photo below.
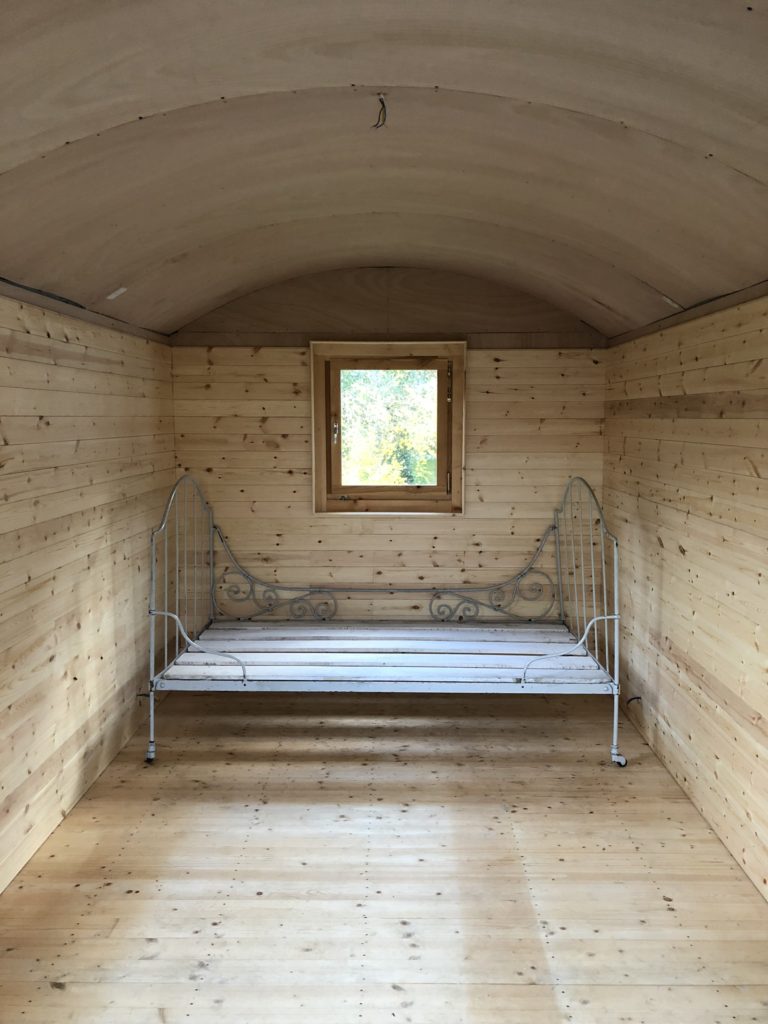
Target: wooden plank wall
<point x="686" y="464"/>
<point x="86" y="461"/>
<point x="534" y="417"/>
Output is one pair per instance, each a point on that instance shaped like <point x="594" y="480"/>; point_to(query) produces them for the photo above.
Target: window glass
<point x="388" y="427"/>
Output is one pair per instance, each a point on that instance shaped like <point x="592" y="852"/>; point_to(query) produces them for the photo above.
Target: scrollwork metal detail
<point x="529" y="596"/>
<point x="505" y="600"/>
<point x="245" y="596"/>
<point x="453" y="606"/>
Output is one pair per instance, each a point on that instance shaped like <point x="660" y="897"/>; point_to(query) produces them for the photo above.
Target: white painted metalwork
<point x="551" y="634"/>
<point x="181" y="584"/>
<point x="529" y="596"/>
<point x="588" y="581"/>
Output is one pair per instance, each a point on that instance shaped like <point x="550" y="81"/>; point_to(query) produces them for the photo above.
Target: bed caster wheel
<point x="619" y="760"/>
<point x="149" y="760"/>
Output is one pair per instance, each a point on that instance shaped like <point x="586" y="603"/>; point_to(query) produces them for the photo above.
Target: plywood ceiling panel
<point x="610" y="158"/>
<point x="398" y="303"/>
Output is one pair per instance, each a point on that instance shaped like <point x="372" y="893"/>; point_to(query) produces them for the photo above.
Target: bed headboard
<point x="571" y="577"/>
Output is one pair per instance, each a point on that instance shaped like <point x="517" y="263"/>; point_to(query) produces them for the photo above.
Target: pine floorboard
<point x="325" y="859"/>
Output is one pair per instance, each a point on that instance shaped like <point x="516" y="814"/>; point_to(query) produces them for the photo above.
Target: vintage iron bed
<point x="553" y="628"/>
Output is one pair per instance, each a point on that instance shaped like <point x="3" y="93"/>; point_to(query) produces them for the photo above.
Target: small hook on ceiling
<point x="381" y="120"/>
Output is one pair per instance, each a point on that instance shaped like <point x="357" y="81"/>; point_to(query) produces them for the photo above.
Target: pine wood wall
<point x="534" y="418"/>
<point x="686" y="463"/>
<point x="86" y="460"/>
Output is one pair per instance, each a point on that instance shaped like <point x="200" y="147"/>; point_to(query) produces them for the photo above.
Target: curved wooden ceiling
<point x="609" y="157"/>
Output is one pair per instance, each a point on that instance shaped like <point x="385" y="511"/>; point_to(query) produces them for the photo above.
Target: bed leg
<point x="616" y="757"/>
<point x="151" y="747"/>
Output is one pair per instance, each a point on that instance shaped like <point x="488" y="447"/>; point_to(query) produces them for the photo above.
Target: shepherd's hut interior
<point x="383" y="516"/>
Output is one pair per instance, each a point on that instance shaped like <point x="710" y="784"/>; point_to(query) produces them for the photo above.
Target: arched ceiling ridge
<point x="516" y="259"/>
<point x="170" y="187"/>
<point x="694" y="65"/>
<point x="611" y="157"/>
<point x="394" y="300"/>
<point x="373" y="91"/>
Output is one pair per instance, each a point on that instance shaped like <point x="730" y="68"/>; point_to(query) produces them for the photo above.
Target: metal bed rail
<point x="531" y="595"/>
<point x="581" y="592"/>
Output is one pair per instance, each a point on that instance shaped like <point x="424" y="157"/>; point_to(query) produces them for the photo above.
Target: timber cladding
<point x="86" y="461"/>
<point x="243" y="427"/>
<point x="684" y="490"/>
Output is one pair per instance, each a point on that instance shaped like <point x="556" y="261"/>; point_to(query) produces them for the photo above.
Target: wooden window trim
<point x="327" y="359"/>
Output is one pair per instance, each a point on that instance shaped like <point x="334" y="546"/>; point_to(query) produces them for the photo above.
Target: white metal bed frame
<point x="215" y="627"/>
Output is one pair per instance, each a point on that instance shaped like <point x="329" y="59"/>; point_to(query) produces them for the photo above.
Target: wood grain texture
<point x="533" y="419"/>
<point x="380" y="303"/>
<point x="86" y="460"/>
<point x="614" y="164"/>
<point x="355" y="860"/>
<point x="686" y="462"/>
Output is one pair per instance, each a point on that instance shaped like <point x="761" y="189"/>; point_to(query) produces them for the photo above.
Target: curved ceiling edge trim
<point x="75" y="311"/>
<point x="715" y="304"/>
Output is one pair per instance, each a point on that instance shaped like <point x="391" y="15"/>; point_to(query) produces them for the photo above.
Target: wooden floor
<point x="433" y="860"/>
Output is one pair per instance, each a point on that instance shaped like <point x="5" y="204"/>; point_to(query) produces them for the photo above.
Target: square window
<point x="388" y="426"/>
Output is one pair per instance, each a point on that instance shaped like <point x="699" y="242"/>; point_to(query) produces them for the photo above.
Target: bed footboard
<point x="181" y="582"/>
<point x="588" y="582"/>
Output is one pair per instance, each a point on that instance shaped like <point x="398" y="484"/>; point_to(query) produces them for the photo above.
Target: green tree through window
<point x="388" y="427"/>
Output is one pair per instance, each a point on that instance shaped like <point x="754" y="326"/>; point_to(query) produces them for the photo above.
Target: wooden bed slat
<point x="363" y="663"/>
<point x="338" y="657"/>
<point x="204" y="669"/>
<point x="397" y="646"/>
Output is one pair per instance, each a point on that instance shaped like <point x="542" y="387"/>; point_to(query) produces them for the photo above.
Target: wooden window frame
<point x="328" y="359"/>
